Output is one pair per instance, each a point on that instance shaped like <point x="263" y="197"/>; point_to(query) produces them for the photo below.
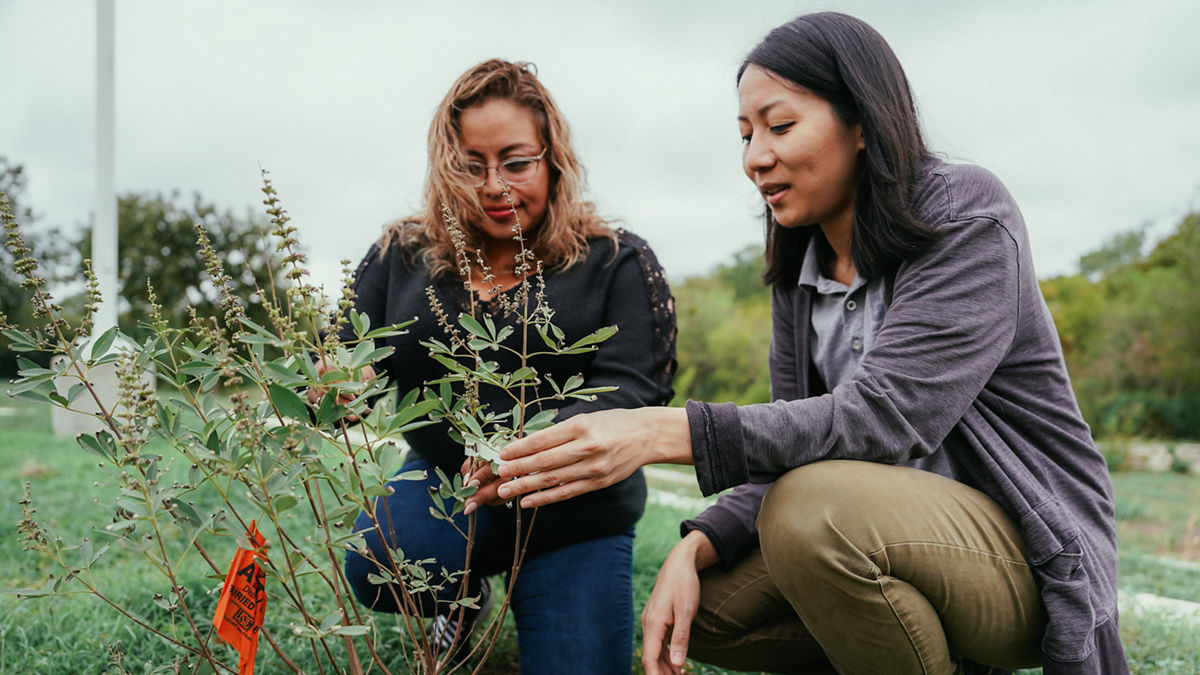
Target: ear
<point x="861" y="144"/>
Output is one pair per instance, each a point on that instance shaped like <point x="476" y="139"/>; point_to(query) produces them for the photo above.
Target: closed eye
<point x="780" y="129"/>
<point x="518" y="163"/>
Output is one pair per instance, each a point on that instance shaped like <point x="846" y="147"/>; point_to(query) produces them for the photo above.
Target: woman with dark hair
<point x="923" y="494"/>
<point x="501" y="161"/>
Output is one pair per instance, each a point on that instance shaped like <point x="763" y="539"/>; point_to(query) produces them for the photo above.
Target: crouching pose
<point x="922" y="496"/>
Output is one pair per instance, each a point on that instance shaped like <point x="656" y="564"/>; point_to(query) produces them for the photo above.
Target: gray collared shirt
<point x="845" y="319"/>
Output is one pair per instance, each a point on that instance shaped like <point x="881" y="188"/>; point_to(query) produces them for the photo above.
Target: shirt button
<point x="856" y="344"/>
<point x="851" y="305"/>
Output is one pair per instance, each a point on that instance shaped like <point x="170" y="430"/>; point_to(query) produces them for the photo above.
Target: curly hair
<point x="561" y="239"/>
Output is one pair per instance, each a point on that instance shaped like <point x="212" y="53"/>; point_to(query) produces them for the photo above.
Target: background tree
<point x="157" y="242"/>
<point x="1130" y="326"/>
<point x="724" y="333"/>
<point x="47" y="245"/>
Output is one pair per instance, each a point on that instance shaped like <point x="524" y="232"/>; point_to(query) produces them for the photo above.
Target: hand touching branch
<point x="592" y="451"/>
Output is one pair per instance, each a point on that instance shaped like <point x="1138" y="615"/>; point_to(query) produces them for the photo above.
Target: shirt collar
<point x="812" y="279"/>
<point x="810" y="268"/>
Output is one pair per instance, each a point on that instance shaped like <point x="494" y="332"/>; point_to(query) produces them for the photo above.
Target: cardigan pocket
<point x="1046" y="529"/>
<point x="1065" y="590"/>
<point x="1056" y="554"/>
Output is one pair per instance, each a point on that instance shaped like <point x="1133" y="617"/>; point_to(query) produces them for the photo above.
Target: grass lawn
<point x="1159" y="520"/>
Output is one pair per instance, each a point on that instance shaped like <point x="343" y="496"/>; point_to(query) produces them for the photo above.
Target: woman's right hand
<point x="592" y="451"/>
<point x="667" y="618"/>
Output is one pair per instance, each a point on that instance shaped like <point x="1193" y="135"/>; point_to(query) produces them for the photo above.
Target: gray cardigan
<point x="966" y="378"/>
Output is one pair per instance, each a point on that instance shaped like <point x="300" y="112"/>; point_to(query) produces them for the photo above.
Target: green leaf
<point x="389" y="331"/>
<point x="37" y="396"/>
<point x="283" y="503"/>
<point x="186" y="513"/>
<point x="21" y="341"/>
<point x="329" y="410"/>
<point x="415" y="474"/>
<point x="352" y="630"/>
<point x="92" y="445"/>
<point x="39" y="382"/>
<point x="479" y="344"/>
<point x="542" y="420"/>
<point x="573" y="382"/>
<point x="288" y="402"/>
<point x="413" y="411"/>
<point x="195" y="368"/>
<point x="101" y="345"/>
<point x="98" y="554"/>
<point x="307" y="367"/>
<point x="78" y="389"/>
<point x="85" y="552"/>
<point x="467" y="321"/>
<point x="450" y="364"/>
<point x="209" y="381"/>
<point x="416" y="425"/>
<point x="546" y="338"/>
<point x="522" y="374"/>
<point x="278" y="370"/>
<point x="254" y="326"/>
<point x="27" y="368"/>
<point x="361" y="323"/>
<point x="331" y="620"/>
<point x="377" y="491"/>
<point x="588" y="391"/>
<point x="252" y="339"/>
<point x="409" y="399"/>
<point x="596" y="337"/>
<point x="368" y="356"/>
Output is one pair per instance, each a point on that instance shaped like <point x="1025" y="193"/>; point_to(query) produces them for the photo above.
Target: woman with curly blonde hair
<point x="501" y="162"/>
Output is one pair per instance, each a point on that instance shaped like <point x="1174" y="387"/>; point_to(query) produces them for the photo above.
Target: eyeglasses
<point x="513" y="171"/>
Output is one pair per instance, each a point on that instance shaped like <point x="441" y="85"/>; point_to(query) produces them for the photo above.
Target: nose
<point x="493" y="188"/>
<point x="757" y="156"/>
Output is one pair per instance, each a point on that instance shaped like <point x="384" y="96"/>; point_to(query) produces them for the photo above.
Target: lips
<point x="773" y="192"/>
<point x="500" y="212"/>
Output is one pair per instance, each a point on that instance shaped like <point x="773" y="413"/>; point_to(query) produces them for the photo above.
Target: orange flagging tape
<point x="243" y="603"/>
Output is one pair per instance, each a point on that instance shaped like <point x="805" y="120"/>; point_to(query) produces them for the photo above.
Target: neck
<point x="501" y="255"/>
<point x="838" y="235"/>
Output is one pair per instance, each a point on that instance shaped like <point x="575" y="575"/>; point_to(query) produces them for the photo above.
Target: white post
<point x="104" y="229"/>
<point x="104" y="239"/>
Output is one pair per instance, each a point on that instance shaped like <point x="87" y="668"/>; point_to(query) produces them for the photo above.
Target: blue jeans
<point x="573" y="605"/>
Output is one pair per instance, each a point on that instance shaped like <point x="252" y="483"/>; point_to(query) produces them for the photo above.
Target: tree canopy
<point x="157" y="244"/>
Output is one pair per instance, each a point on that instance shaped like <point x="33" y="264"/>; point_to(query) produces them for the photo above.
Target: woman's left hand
<point x="592" y="451"/>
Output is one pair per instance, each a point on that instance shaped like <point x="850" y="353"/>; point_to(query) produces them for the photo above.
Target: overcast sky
<point x="1088" y="111"/>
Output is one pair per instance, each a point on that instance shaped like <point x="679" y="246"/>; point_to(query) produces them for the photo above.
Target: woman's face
<point x="492" y="133"/>
<point x="798" y="152"/>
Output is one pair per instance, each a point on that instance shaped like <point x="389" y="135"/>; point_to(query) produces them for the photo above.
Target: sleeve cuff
<point x="717" y="448"/>
<point x="731" y="543"/>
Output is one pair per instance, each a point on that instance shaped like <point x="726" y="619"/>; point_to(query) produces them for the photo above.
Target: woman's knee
<point x="805" y="507"/>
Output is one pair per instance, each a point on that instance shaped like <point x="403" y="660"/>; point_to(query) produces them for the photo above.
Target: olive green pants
<point x="871" y="568"/>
